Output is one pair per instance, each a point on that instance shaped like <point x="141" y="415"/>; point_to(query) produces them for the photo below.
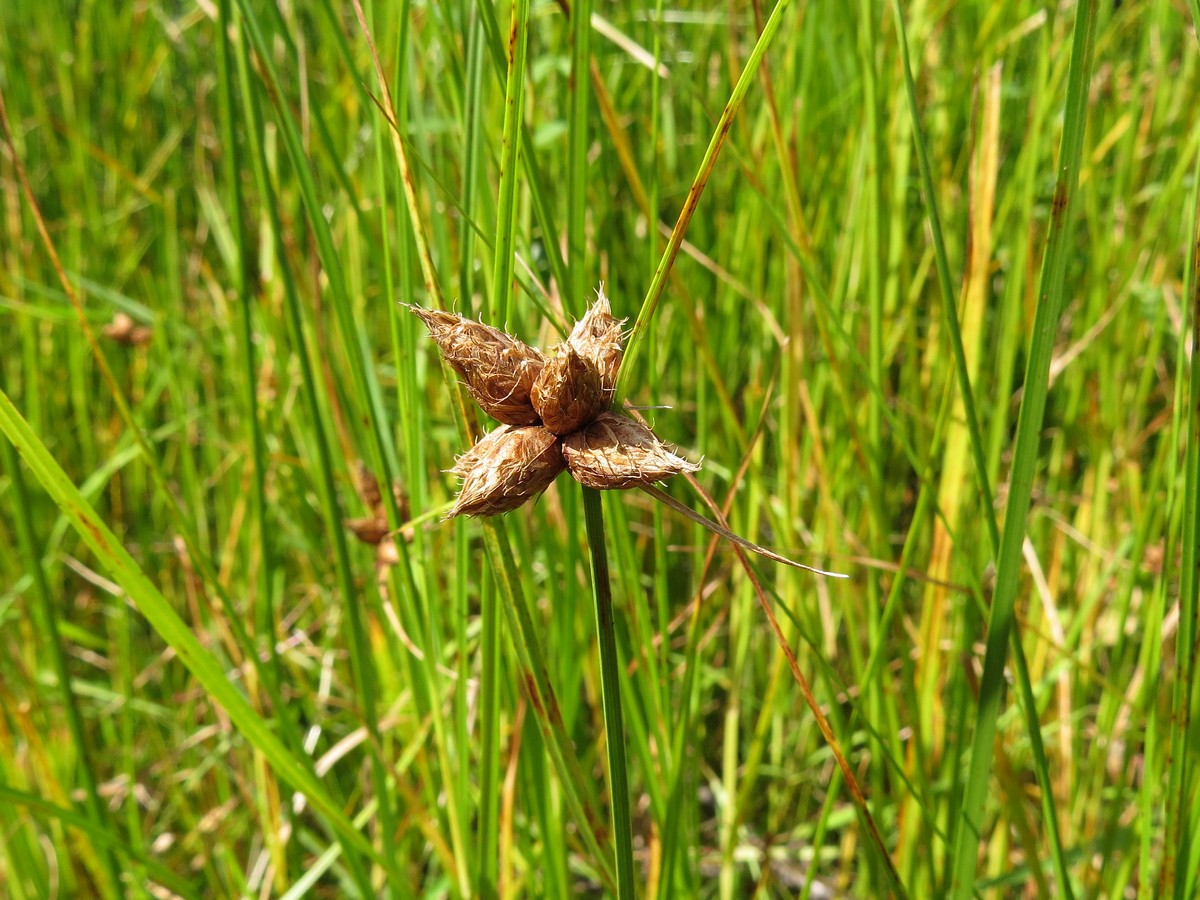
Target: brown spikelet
<point x="505" y="468"/>
<point x="368" y="487"/>
<point x="403" y="505"/>
<point x="498" y="369"/>
<point x="597" y="337"/>
<point x="123" y="330"/>
<point x="615" y="452"/>
<point x="555" y="413"/>
<point x="368" y="529"/>
<point x="568" y="393"/>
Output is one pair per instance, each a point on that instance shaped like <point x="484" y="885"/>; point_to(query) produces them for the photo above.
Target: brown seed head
<point x="368" y="486"/>
<point x="597" y="337"/>
<point x="615" y="452"/>
<point x="123" y="330"/>
<point x="505" y="468"/>
<point x="403" y="506"/>
<point x="498" y="369"/>
<point x="568" y="393"/>
<point x="368" y="529"/>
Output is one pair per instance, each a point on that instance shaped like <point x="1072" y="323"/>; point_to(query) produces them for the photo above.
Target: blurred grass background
<point x="237" y="194"/>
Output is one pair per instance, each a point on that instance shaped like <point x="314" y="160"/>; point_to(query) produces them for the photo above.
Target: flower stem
<point x="610" y="689"/>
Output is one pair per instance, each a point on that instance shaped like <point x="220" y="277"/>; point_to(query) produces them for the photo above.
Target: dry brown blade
<point x="68" y="288"/>
<point x="116" y="393"/>
<point x="835" y="747"/>
<point x="693" y="606"/>
<point x="506" y="878"/>
<point x="428" y="272"/>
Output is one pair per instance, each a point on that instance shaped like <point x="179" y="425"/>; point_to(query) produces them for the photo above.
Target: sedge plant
<point x="916" y="281"/>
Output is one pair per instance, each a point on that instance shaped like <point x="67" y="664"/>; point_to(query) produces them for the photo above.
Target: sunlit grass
<point x="191" y="633"/>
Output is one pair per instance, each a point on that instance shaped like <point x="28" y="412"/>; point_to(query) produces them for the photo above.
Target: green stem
<point x="610" y="689"/>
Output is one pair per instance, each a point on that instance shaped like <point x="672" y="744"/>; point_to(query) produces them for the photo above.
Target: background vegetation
<point x="210" y="687"/>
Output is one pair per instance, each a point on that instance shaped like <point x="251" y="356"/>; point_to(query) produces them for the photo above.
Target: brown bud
<point x="615" y="452"/>
<point x="369" y="530"/>
<point x="122" y="330"/>
<point x="368" y="486"/>
<point x="403" y="506"/>
<point x="568" y="393"/>
<point x="597" y="338"/>
<point x="505" y="468"/>
<point x="386" y="554"/>
<point x="498" y="369"/>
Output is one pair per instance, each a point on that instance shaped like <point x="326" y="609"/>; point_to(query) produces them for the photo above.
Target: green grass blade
<point x="808" y="354"/>
<point x="536" y="684"/>
<point x="172" y="629"/>
<point x="979" y="459"/>
<point x="577" y="161"/>
<point x="98" y="833"/>
<point x="1025" y="455"/>
<point x="376" y="422"/>
<point x="264" y="605"/>
<point x="1183" y="841"/>
<point x="658" y="282"/>
<point x="506" y="204"/>
<point x="502" y="289"/>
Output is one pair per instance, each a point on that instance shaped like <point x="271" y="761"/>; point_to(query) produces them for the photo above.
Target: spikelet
<point x="368" y="487"/>
<point x="555" y="413"/>
<point x="597" y="337"/>
<point x="368" y="529"/>
<point x="615" y="452"/>
<point x="123" y="330"/>
<point x="498" y="369"/>
<point x="505" y="468"/>
<point x="568" y="393"/>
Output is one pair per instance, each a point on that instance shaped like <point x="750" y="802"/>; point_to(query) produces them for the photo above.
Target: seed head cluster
<point x="554" y="410"/>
